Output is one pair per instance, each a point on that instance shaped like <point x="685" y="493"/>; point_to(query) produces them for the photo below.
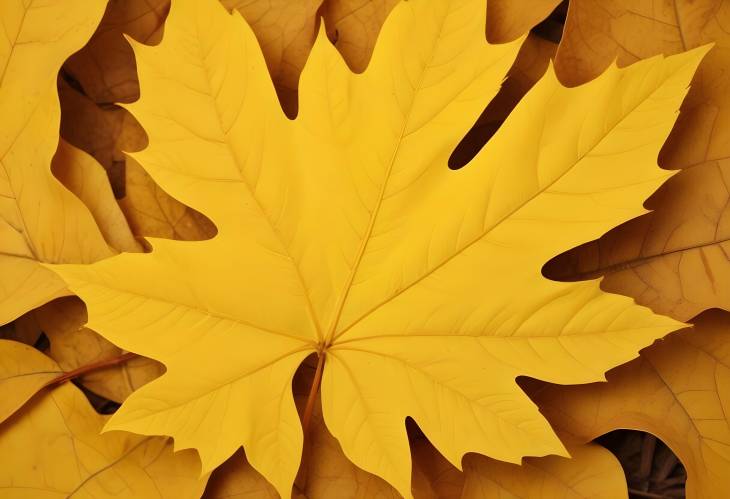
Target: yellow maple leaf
<point x="344" y="233"/>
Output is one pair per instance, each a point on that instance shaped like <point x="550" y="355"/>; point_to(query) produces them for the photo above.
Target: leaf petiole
<point x="94" y="366"/>
<point x="307" y="416"/>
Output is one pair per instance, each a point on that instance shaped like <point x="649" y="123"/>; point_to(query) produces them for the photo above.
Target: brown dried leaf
<point x="353" y="26"/>
<point x="154" y="213"/>
<point x="105" y="67"/>
<point x="678" y="390"/>
<point x="507" y="20"/>
<point x="24" y="329"/>
<point x="286" y="31"/>
<point x="102" y="131"/>
<point x="433" y="476"/>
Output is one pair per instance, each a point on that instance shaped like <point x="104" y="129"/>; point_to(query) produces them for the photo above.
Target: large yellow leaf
<point x="674" y="259"/>
<point x="344" y="232"/>
<point x="39" y="219"/>
<point x="52" y="448"/>
<point x="679" y="390"/>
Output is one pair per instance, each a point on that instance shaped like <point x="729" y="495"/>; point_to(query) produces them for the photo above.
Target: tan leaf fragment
<point x="433" y="476"/>
<point x="104" y="73"/>
<point x="354" y="25"/>
<point x="599" y="31"/>
<point x="507" y="20"/>
<point x="105" y="67"/>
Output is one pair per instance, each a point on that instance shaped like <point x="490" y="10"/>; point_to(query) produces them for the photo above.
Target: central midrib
<point x="270" y="223"/>
<point x="331" y="330"/>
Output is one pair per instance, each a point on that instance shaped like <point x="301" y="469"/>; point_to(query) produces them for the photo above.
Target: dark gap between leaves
<point x="42" y="343"/>
<point x="509" y="95"/>
<point x="652" y="469"/>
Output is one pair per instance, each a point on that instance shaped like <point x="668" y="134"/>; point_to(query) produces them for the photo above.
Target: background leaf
<point x="52" y="446"/>
<point x="675" y="258"/>
<point x="677" y="390"/>
<point x="591" y="471"/>
<point x="59" y="229"/>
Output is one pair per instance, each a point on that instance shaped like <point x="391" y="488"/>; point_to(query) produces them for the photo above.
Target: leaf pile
<point x="313" y="245"/>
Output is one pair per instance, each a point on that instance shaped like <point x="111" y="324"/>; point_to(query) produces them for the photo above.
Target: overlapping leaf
<point x="344" y="233"/>
<point x="52" y="448"/>
<point x="674" y="260"/>
<point x="592" y="471"/>
<point x="39" y="219"/>
<point x="677" y="390"/>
